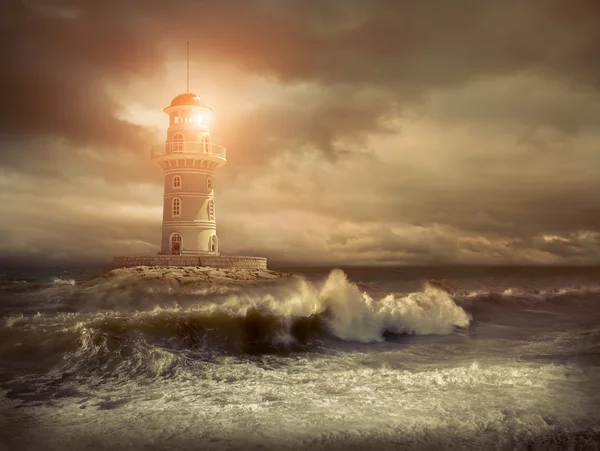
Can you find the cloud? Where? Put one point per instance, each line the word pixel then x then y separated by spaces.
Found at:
pixel 373 132
pixel 63 53
pixel 60 58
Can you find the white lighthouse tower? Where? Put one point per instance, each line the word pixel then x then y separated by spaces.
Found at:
pixel 188 159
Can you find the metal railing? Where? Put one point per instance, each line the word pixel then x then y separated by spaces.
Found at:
pixel 187 147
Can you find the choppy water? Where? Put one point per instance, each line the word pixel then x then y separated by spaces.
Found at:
pixel 418 358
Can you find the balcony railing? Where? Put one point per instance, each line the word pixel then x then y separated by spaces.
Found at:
pixel 188 148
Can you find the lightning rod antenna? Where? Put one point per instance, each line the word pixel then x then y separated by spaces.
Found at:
pixel 188 67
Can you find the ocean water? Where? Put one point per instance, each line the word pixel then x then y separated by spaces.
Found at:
pixel 359 358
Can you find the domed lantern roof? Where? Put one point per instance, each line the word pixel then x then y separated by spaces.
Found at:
pixel 188 99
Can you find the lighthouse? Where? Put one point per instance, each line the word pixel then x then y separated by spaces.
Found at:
pixel 188 159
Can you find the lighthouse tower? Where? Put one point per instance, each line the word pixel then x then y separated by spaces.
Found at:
pixel 188 159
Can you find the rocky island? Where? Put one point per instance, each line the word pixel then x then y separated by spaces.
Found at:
pixel 189 276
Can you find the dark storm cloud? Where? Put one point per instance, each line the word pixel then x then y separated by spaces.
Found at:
pixel 317 120
pixel 58 58
pixel 62 53
pixel 401 50
pixel 411 44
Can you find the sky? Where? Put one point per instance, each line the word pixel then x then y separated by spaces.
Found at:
pixel 358 132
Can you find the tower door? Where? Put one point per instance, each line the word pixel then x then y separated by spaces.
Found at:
pixel 176 244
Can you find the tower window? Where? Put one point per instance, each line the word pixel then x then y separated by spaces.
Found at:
pixel 209 184
pixel 211 210
pixel 177 182
pixel 176 206
pixel 206 144
pixel 177 143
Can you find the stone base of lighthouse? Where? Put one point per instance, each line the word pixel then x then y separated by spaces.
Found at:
pixel 215 261
pixel 193 253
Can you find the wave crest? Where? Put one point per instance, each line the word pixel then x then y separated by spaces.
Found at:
pixel 356 316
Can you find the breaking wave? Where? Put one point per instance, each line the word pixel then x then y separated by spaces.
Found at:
pixel 152 328
pixel 295 316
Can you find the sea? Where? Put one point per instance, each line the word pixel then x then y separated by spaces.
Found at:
pixel 375 358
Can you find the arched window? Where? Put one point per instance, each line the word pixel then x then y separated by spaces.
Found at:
pixel 206 143
pixel 211 210
pixel 213 245
pixel 176 207
pixel 176 244
pixel 177 182
pixel 209 184
pixel 177 143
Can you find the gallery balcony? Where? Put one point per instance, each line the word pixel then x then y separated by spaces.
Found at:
pixel 186 149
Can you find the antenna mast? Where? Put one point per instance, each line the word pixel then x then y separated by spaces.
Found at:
pixel 188 67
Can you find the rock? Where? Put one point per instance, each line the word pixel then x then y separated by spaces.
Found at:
pixel 189 276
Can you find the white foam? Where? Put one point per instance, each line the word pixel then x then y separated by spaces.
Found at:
pixel 356 316
pixel 59 281
pixel 12 320
pixel 333 401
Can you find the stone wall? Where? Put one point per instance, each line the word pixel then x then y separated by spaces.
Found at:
pixel 191 260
